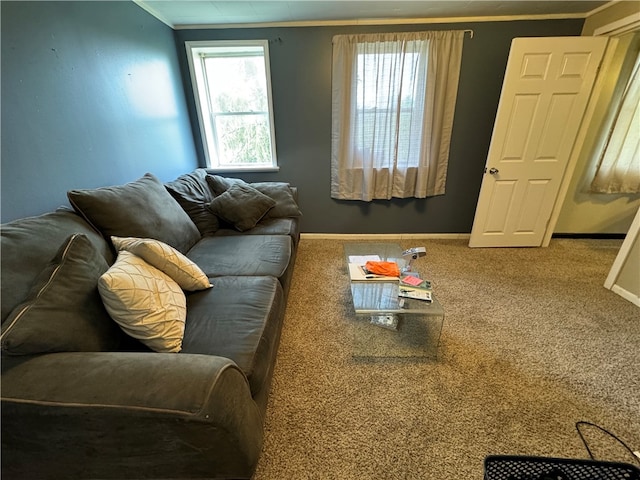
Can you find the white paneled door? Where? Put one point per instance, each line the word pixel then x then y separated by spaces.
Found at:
pixel 547 86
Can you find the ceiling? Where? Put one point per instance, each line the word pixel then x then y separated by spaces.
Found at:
pixel 200 13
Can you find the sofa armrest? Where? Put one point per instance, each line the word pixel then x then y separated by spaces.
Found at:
pixel 121 414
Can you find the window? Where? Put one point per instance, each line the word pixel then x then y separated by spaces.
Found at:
pixel 232 88
pixel 392 113
pixel 386 89
pixel 619 167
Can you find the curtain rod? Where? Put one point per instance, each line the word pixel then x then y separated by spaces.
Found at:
pixel 470 32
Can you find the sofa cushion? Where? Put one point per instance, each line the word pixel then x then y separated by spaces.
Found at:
pixel 166 259
pixel 241 205
pixel 239 319
pixel 193 194
pixel 142 208
pixel 63 312
pixel 269 226
pixel 28 245
pixel 280 192
pixel 145 302
pixel 242 255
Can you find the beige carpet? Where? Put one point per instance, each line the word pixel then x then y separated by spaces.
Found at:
pixel 532 343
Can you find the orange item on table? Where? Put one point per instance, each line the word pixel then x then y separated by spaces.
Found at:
pixel 388 269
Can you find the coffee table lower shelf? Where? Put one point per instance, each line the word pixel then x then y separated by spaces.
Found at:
pixel 396 335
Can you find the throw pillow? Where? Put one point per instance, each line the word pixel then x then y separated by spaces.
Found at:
pixel 63 312
pixel 142 208
pixel 241 205
pixel 146 303
pixel 192 192
pixel 166 259
pixel 280 192
pixel 219 185
pixel 286 206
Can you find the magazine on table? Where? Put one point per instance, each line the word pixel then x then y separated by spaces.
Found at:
pixel 416 288
pixel 415 293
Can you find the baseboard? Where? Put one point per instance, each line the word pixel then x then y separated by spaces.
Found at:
pixel 385 236
pixel 442 236
pixel 595 236
pixel 632 297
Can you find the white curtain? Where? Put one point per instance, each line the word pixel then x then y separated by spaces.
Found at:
pixel 619 168
pixel 393 99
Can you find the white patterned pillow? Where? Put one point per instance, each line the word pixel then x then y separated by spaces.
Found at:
pixel 167 259
pixel 145 302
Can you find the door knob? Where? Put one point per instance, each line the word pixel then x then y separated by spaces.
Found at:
pixel 493 170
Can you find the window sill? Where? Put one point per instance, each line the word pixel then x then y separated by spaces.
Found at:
pixel 242 169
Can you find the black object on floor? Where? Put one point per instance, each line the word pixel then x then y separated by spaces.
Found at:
pixel 504 467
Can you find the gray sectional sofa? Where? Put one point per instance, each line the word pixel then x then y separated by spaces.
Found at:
pixel 83 399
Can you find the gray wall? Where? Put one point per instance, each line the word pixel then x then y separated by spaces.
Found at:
pixel 91 96
pixel 301 79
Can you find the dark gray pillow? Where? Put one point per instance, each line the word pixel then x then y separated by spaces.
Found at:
pixel 286 205
pixel 64 311
pixel 280 192
pixel 193 194
pixel 142 209
pixel 241 205
pixel 219 185
pixel 27 245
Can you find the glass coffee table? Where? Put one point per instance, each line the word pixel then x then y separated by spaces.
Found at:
pixel 386 325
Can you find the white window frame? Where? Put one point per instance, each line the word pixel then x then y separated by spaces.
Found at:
pixel 195 50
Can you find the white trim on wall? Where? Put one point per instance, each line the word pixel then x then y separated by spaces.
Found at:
pixel 386 21
pixel 621 262
pixel 602 7
pixel 385 236
pixel 152 11
pixel 627 295
pixel 619 27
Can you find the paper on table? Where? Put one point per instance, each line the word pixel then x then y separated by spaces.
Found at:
pixel 411 280
pixel 363 259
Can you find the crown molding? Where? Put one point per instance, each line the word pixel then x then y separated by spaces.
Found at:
pixel 620 27
pixel 384 21
pixel 602 7
pixel 152 11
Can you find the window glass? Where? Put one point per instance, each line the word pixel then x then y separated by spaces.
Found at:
pixel 233 95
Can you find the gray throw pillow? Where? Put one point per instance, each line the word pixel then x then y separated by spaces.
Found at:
pixel 63 312
pixel 280 192
pixel 142 209
pixel 193 194
pixel 219 185
pixel 286 206
pixel 242 206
